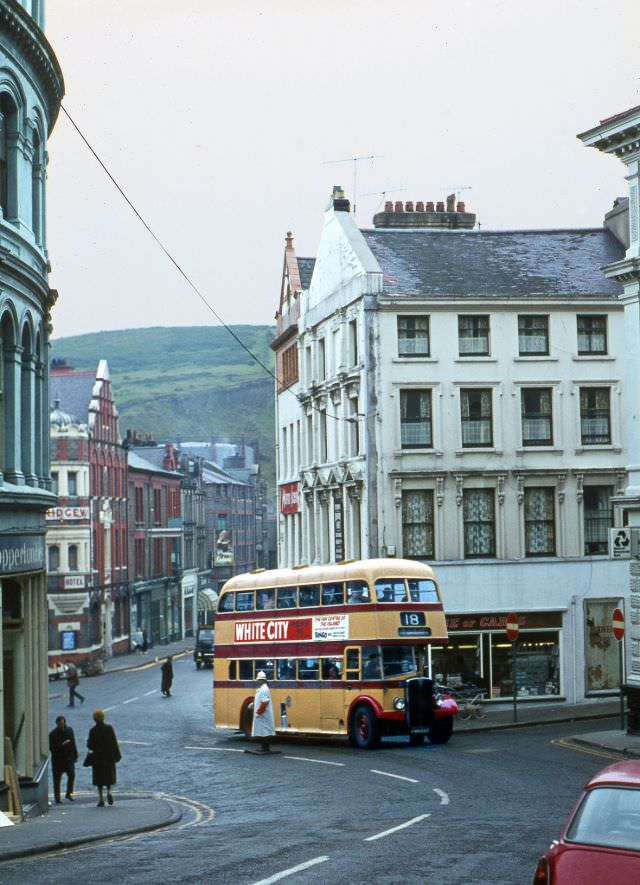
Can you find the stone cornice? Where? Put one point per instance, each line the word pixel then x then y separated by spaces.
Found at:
pixel 18 25
pixel 623 271
pixel 619 135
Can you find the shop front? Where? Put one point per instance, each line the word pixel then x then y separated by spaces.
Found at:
pixel 479 655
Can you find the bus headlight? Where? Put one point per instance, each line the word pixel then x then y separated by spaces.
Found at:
pixel 399 703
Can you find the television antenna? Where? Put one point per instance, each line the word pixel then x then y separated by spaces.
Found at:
pixel 456 189
pixel 355 161
pixel 383 194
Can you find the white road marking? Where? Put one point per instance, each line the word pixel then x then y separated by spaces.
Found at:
pixel 219 749
pixel 292 870
pixel 131 700
pixel 317 761
pixel 106 709
pixel 444 797
pixel 409 823
pixel 153 691
pixel 485 750
pixel 400 777
pixel 139 743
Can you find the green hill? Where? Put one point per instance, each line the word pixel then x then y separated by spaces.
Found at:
pixel 186 383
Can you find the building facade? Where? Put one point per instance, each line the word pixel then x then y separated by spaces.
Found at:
pixel 459 399
pixel 31 89
pixel 89 593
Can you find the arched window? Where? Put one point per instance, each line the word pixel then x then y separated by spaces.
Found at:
pixel 37 175
pixel 8 156
pixel 54 558
pixel 73 557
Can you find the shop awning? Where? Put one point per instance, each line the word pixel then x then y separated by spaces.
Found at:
pixel 207 600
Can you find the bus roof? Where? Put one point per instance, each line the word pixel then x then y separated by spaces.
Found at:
pixel 363 569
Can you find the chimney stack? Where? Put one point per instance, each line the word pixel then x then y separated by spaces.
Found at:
pixel 339 201
pixel 432 216
pixel 451 203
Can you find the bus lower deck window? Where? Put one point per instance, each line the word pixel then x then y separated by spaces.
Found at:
pixel 245 669
pixel 308 668
pixel 267 666
pixel 286 669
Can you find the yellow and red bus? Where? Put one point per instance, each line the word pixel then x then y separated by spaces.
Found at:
pixel 345 647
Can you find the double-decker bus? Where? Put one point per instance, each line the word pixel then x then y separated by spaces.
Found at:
pixel 345 647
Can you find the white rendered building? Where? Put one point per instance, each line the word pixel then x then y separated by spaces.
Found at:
pixel 458 398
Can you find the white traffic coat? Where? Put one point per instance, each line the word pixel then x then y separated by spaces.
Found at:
pixel 263 725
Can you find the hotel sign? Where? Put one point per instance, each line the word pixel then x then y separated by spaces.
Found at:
pixel 21 553
pixel 289 498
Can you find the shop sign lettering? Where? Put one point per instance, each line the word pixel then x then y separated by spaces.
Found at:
pixel 21 553
pixel 67 513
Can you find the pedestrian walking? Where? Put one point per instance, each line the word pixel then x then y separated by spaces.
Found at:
pixel 73 681
pixel 263 726
pixel 64 755
pixel 103 755
pixel 167 677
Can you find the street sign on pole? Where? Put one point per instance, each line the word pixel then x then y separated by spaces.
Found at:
pixel 512 627
pixel 617 622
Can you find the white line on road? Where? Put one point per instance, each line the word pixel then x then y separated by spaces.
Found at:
pixel 292 870
pixel 444 797
pixel 219 749
pixel 153 691
pixel 317 761
pixel 131 700
pixel 409 823
pixel 106 709
pixel 400 777
pixel 139 743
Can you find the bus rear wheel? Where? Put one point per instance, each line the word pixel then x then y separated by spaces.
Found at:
pixel 246 723
pixel 364 728
pixel 440 730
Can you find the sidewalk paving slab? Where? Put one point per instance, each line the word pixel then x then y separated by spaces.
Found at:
pixel 71 824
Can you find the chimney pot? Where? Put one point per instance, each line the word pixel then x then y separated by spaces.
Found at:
pixel 460 207
pixel 431 206
pixel 409 206
pixel 388 206
pixel 419 206
pixel 440 206
pixel 451 203
pixel 399 206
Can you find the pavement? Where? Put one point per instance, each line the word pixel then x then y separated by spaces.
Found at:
pixel 72 824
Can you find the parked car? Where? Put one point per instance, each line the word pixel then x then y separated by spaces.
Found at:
pixel 57 670
pixel 600 841
pixel 203 651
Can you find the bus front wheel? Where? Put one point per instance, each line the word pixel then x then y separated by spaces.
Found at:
pixel 247 720
pixel 440 730
pixel 364 728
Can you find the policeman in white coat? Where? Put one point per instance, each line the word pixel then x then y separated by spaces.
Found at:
pixel 263 722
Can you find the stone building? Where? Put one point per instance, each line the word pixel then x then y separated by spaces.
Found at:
pixel 458 398
pixel 31 89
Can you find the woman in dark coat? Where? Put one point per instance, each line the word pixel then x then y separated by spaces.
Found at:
pixel 167 677
pixel 103 743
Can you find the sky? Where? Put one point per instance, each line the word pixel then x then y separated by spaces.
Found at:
pixel 221 121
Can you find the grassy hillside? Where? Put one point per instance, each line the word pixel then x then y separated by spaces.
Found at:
pixel 187 383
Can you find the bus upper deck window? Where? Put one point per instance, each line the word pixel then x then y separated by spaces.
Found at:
pixel 357 592
pixel 265 599
pixel 422 590
pixel 333 594
pixel 287 597
pixel 310 596
pixel 226 603
pixel 391 590
pixel 244 602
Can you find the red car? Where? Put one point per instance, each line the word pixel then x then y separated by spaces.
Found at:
pixel 600 842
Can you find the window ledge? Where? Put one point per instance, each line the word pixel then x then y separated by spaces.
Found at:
pixel 596 447
pixel 478 450
pixel 535 357
pixel 470 358
pixel 418 451
pixel 593 357
pixel 527 450
pixel 414 358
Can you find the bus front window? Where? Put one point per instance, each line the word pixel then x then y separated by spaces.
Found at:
pixel 391 590
pixel 422 590
pixel 398 660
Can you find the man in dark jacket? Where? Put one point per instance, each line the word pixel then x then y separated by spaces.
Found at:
pixel 73 681
pixel 167 677
pixel 64 755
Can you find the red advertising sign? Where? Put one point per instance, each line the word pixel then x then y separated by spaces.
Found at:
pixel 617 622
pixel 513 627
pixel 289 498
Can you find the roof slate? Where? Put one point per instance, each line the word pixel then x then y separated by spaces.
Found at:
pixel 496 263
pixel 74 392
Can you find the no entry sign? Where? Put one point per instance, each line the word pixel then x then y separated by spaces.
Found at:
pixel 617 622
pixel 513 627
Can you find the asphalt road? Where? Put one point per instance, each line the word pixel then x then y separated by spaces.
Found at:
pixel 480 809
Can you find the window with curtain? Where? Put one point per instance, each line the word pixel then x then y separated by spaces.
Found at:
pixel 415 419
pixel 592 334
pixel 539 522
pixel 595 419
pixel 598 519
pixel 413 336
pixel 54 558
pixel 533 335
pixel 72 483
pixel 473 335
pixel 73 557
pixel 417 524
pixel 475 413
pixel 479 522
pixel 537 429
